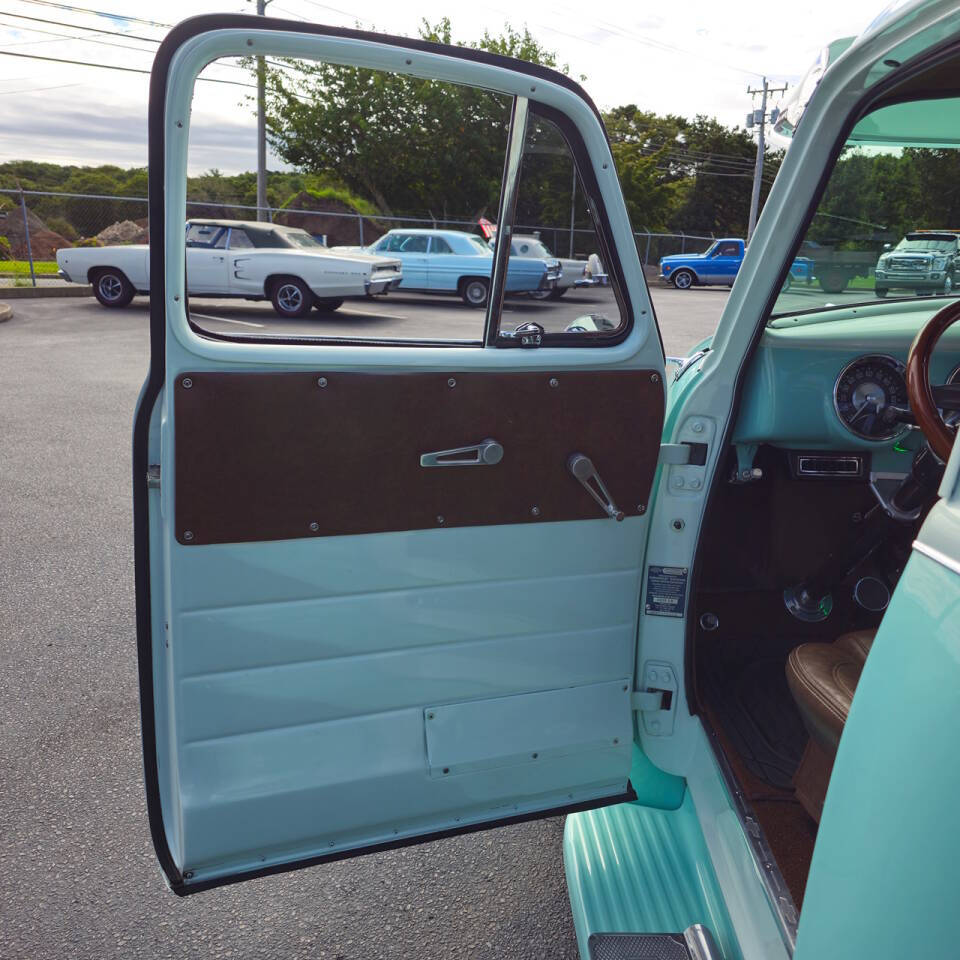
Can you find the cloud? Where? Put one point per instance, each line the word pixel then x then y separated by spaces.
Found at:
pixel 118 135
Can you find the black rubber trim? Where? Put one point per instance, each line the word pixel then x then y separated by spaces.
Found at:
pixel 153 385
pixel 871 99
pixel 587 179
pixel 185 889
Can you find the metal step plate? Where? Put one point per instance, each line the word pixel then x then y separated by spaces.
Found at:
pixel 695 943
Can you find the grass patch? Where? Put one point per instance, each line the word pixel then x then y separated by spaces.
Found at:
pixel 21 268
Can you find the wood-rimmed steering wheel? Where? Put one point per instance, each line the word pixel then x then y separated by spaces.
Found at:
pixel 926 401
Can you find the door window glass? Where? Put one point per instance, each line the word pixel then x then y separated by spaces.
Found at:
pixel 568 291
pixel 239 240
pixel 373 162
pixel 416 244
pixel 203 234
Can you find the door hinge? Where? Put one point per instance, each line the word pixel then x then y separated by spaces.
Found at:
pixel 153 476
pixel 686 453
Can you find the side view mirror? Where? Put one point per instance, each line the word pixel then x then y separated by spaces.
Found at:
pixel 888 246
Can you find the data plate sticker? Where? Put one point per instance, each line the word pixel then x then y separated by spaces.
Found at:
pixel 666 590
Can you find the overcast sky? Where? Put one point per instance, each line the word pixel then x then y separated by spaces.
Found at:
pixel 696 56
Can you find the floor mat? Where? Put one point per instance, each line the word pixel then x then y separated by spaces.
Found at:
pixel 788 828
pixel 753 706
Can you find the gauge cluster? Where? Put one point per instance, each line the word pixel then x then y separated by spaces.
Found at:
pixel 865 388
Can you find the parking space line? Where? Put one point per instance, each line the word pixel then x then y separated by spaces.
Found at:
pixel 205 316
pixel 366 313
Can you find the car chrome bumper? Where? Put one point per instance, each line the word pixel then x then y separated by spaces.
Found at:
pixel 887 279
pixel 381 285
pixel 63 275
pixel 600 280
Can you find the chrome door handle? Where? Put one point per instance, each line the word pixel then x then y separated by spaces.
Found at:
pixel 583 469
pixel 486 454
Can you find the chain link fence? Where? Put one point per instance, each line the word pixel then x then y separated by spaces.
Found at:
pixel 35 224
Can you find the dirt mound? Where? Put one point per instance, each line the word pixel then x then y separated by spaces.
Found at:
pixel 125 231
pixel 43 241
pixel 325 215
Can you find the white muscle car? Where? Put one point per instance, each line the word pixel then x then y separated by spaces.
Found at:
pixel 574 273
pixel 239 258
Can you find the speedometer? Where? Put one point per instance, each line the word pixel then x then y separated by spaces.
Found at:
pixel 864 389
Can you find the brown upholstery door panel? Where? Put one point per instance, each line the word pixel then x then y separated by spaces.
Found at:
pixel 271 456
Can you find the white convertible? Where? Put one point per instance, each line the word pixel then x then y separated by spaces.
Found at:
pixel 239 258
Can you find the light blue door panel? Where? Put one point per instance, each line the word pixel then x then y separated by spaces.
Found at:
pixel 293 681
pixel 349 643
pixel 447 269
pixel 315 789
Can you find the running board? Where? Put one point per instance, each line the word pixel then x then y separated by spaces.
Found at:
pixel 695 943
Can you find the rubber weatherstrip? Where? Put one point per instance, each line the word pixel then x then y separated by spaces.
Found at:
pixel 871 98
pixel 153 384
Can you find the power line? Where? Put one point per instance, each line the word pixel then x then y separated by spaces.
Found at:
pixel 59 86
pixel 113 66
pixel 60 37
pixel 97 13
pixel 76 26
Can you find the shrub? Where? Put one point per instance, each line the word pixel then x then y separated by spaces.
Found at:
pixel 88 242
pixel 5 250
pixel 63 227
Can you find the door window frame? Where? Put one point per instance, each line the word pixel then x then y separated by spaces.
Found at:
pixel 204 39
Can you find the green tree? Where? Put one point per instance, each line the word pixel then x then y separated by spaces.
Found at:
pixel 411 145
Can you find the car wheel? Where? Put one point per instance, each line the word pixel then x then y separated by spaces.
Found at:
pixel 947 286
pixel 881 291
pixel 112 288
pixel 291 298
pixel 683 279
pixel 327 304
pixel 557 292
pixel 542 294
pixel 833 281
pixel 474 291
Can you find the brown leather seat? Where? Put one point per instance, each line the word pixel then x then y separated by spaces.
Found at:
pixel 823 678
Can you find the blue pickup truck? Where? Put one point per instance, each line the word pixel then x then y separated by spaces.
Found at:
pixel 719 264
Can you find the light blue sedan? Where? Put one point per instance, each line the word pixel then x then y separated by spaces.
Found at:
pixel 452 261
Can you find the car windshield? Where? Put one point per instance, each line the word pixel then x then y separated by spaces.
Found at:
pixel 300 238
pixel 920 244
pixel 884 226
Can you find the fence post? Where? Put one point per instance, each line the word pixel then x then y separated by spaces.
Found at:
pixel 683 242
pixel 646 253
pixel 360 226
pixel 26 232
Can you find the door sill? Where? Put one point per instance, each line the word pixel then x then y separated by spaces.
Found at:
pixel 774 885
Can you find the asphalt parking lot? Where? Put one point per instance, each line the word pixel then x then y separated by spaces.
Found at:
pixel 77 872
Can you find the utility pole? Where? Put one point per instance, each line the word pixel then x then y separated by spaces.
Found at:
pixel 262 127
pixel 761 147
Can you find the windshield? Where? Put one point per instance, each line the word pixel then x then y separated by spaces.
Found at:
pixel 300 238
pixel 884 227
pixel 927 245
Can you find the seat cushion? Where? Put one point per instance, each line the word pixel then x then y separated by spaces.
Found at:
pixel 857 643
pixel 822 679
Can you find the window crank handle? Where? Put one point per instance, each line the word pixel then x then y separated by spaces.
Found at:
pixel 582 468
